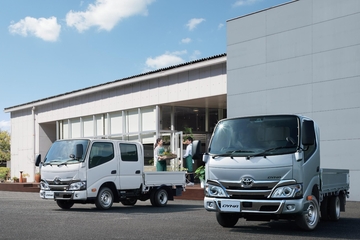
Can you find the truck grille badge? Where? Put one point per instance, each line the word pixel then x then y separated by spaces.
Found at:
pixel 247 182
pixel 57 180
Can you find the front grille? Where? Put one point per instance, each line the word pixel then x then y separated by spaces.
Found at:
pixel 258 190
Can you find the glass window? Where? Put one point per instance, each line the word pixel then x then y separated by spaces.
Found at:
pixel 128 152
pixel 101 152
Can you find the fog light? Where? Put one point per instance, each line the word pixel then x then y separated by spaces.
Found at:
pixel 211 204
pixel 290 207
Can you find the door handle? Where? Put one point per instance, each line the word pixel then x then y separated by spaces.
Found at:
pixel 113 172
pixel 137 172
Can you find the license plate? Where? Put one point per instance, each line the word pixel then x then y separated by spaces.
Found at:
pixel 49 195
pixel 230 206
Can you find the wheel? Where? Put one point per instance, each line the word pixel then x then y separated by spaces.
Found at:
pixel 64 204
pixel 334 208
pixel 104 199
pixel 324 209
pixel 309 219
pixel 227 219
pixel 159 198
pixel 129 201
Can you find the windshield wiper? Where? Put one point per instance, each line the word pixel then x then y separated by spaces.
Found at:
pixel 230 153
pixel 69 160
pixel 270 150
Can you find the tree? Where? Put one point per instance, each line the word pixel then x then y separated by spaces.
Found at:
pixel 4 146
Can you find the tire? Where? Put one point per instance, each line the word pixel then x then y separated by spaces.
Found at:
pixel 227 219
pixel 159 198
pixel 309 219
pixel 324 209
pixel 129 201
pixel 104 199
pixel 65 204
pixel 334 208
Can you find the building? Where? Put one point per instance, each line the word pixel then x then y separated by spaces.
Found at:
pixel 300 57
pixel 143 107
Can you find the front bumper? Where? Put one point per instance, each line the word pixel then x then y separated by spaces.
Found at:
pixel 289 206
pixel 63 195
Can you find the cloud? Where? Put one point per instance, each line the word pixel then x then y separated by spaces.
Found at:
pixel 192 24
pixel 105 14
pixel 165 60
pixel 5 125
pixel 195 55
pixel 220 26
pixel 186 40
pixel 241 3
pixel 45 28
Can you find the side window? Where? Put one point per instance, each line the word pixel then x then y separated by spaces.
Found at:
pixel 128 152
pixel 101 152
pixel 309 152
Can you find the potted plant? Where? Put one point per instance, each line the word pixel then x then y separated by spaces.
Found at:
pixel 37 177
pixel 15 179
pixel 24 177
pixel 200 174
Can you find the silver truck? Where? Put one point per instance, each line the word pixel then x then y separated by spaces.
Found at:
pixel 266 168
pixel 103 171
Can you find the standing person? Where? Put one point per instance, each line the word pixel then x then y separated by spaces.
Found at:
pixel 188 159
pixel 159 160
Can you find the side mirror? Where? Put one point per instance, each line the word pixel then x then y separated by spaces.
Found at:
pixel 38 160
pixel 308 133
pixel 79 151
pixel 206 157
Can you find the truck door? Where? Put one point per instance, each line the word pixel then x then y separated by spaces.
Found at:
pixel 102 165
pixel 131 166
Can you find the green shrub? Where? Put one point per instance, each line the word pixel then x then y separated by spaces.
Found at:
pixel 4 172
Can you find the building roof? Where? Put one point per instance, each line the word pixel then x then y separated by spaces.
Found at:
pixel 20 106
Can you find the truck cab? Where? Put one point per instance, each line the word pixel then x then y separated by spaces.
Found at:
pixel 263 168
pixel 103 171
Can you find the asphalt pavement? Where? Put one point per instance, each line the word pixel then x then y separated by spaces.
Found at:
pixel 24 215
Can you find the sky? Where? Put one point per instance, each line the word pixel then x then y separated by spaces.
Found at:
pixel 51 47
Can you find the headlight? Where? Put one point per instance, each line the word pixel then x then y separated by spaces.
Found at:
pixel 290 191
pixel 44 186
pixel 77 186
pixel 215 191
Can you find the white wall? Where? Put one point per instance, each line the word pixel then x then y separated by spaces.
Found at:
pixel 302 57
pixel 194 81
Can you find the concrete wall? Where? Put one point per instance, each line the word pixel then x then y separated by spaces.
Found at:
pixel 33 125
pixel 302 57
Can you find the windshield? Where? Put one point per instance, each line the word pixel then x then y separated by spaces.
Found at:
pixel 254 136
pixel 64 152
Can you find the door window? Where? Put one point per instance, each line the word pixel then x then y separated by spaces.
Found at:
pixel 128 152
pixel 101 152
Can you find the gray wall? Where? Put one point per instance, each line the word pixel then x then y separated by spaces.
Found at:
pixel 302 57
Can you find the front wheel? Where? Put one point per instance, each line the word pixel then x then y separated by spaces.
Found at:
pixel 104 199
pixel 159 198
pixel 64 204
pixel 309 219
pixel 227 219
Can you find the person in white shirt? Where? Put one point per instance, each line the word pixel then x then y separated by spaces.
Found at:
pixel 188 160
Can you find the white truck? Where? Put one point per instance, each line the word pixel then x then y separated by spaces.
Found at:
pixel 268 168
pixel 101 172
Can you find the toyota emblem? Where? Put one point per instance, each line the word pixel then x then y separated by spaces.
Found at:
pixel 57 180
pixel 247 182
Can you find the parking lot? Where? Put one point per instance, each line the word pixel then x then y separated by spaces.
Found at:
pixel 26 216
